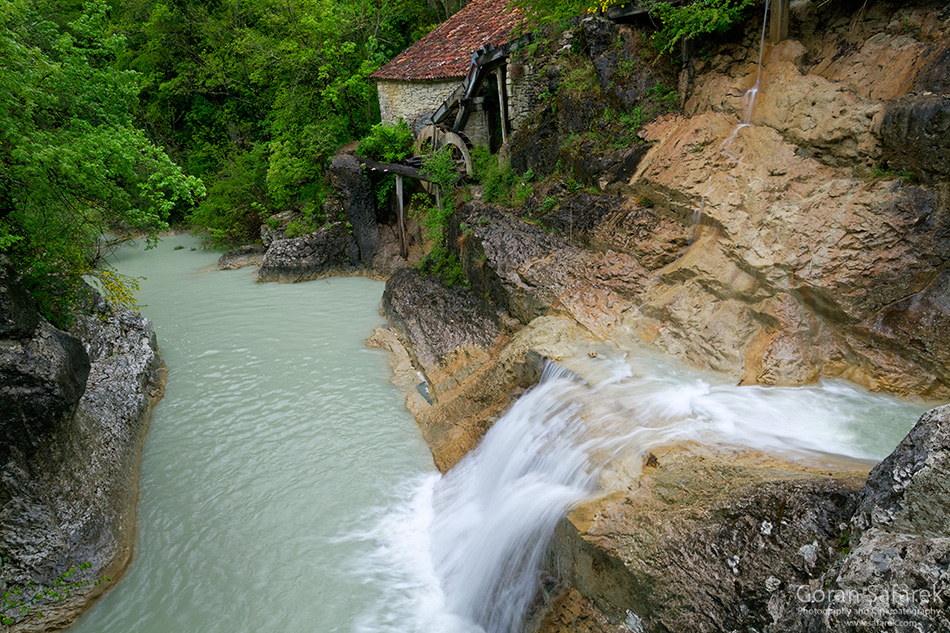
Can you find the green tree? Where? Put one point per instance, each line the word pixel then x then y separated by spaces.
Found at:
pixel 236 88
pixel 74 168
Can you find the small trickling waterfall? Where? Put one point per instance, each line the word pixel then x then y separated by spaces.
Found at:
pixel 754 90
pixel 749 98
pixel 461 553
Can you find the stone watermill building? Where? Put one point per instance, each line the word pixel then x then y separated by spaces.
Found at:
pixel 464 61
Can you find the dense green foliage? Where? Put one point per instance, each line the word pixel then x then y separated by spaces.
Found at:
pixel 387 143
pixel 74 167
pixel 440 167
pixel 112 116
pixel 701 17
pixel 677 22
pixel 255 96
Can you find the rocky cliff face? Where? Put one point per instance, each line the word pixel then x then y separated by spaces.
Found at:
pixel 810 243
pixel 74 408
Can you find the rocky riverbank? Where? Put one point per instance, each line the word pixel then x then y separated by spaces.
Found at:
pixel 75 407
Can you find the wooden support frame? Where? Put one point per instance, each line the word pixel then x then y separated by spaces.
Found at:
pixel 779 13
pixel 403 246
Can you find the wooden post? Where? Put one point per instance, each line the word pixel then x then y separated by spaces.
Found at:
pixel 778 17
pixel 501 76
pixel 403 249
pixel 687 46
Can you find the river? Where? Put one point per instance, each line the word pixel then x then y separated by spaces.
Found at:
pixel 278 433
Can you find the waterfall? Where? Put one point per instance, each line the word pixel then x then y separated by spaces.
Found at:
pixel 750 95
pixel 462 552
pixel 496 510
pixel 754 90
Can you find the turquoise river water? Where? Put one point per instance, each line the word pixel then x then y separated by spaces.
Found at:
pixel 279 432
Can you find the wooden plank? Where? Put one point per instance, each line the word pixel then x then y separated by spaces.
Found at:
pixel 779 13
pixel 502 52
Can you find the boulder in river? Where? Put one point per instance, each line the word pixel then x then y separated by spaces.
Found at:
pixel 242 257
pixel 327 251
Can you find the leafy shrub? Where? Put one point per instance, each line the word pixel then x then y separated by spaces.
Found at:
pixel 497 179
pixel 387 143
pixel 444 264
pixel 689 21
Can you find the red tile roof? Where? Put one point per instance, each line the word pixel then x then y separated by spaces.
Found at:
pixel 446 52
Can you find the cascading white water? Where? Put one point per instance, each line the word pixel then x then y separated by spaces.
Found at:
pixel 461 553
pixel 495 512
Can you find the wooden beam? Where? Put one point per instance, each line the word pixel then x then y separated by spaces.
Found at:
pixel 393 168
pixel 501 77
pixel 403 247
pixel 619 12
pixel 779 13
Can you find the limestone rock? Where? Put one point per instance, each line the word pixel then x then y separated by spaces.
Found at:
pixel 269 235
pixel 608 171
pixel 531 273
pixel 895 577
pixel 42 380
pixel 327 251
pixel 705 538
pixel 436 320
pixel 474 385
pixel 916 135
pixel 71 500
pixel 534 145
pixel 936 78
pixel 653 240
pixel 909 492
pixel 799 264
pixel 18 315
pixel 242 257
pixel 43 372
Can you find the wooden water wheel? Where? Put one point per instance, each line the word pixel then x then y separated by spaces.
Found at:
pixel 435 137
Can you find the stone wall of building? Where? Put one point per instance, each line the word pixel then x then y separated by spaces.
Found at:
pixel 409 100
pixel 415 100
pixel 525 83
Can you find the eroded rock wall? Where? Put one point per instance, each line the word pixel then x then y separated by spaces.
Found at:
pixel 811 242
pixel 70 469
